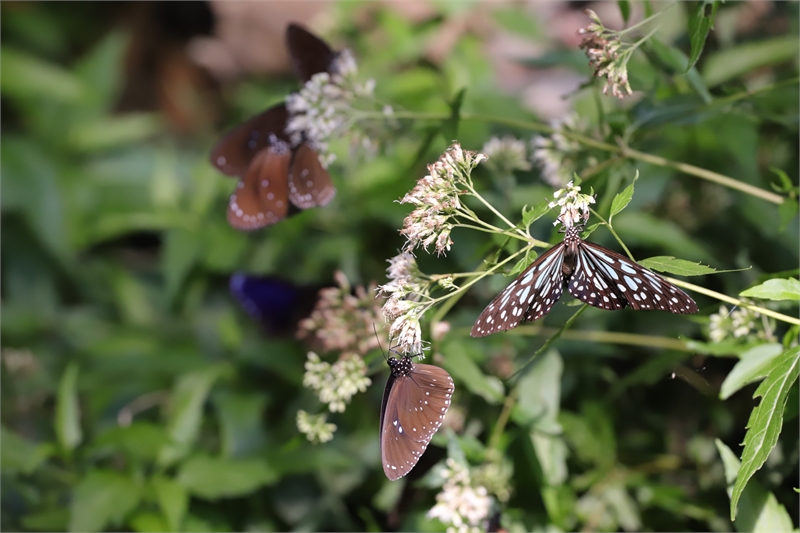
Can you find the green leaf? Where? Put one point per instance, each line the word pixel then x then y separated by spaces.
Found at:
pixel 759 510
pixel 181 250
pixel 787 211
pixel 734 61
pixel 450 124
pixel 466 371
pixel 212 478
pixel 679 267
pixel 25 76
pixel 589 230
pixel 186 411
pixel 240 419
pixel 172 499
pixel 766 420
pixel 101 70
pixel 676 62
pixel 141 440
pixel 622 199
pixel 67 414
pixel 775 289
pixel 750 367
pixel 19 455
pixel 102 498
pixel 148 521
pixel 104 133
pixel 624 9
pixel 529 216
pixel 523 263
pixel 700 22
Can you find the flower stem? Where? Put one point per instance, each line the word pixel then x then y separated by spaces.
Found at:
pixel 502 420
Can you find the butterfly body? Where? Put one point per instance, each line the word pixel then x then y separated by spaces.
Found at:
pixel 415 401
pixel 595 275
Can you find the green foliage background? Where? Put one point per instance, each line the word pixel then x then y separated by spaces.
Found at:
pixel 116 256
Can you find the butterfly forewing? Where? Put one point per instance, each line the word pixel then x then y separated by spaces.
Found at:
pixel 639 287
pixel 261 198
pixel 590 283
pixel 309 183
pixel 309 54
pixel 527 298
pixel 234 152
pixel 414 407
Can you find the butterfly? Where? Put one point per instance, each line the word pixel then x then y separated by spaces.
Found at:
pixel 276 179
pixel 593 274
pixel 415 401
pixel 277 305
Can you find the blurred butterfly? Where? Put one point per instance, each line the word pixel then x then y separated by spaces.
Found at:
pixel 276 179
pixel 415 401
pixel 593 274
pixel 276 304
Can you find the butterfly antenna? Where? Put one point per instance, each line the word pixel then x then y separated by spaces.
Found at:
pixel 375 330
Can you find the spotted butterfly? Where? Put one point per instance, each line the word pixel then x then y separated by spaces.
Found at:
pixel 593 274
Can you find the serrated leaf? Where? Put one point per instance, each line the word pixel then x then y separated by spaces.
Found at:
pixel 533 214
pixel 67 415
pixel 700 22
pixel 622 199
pixel 679 267
pixel 523 263
pixel 766 420
pixel 775 289
pixel 589 230
pixel 101 498
pixel 759 510
pixel 750 367
pixel 212 478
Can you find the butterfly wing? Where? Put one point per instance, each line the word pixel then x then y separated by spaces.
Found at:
pixel 529 297
pixel 602 273
pixel 414 408
pixel 310 184
pixel 234 152
pixel 309 54
pixel 278 305
pixel 261 198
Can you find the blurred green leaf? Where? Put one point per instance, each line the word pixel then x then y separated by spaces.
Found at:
pixel 148 521
pixel 182 249
pixel 172 499
pixel 624 9
pixel 101 71
pixel 751 366
pixel 450 124
pixel 52 519
pixel 19 455
pixel 26 77
pixel 67 415
pixel 102 498
pixel 700 22
pixel 646 229
pixel 731 62
pixel 186 410
pixel 213 478
pixel 775 289
pixel 759 510
pixel 677 63
pixel 787 211
pixel 109 132
pixel 240 417
pixel 680 267
pixel 766 420
pixel 466 371
pixel 517 19
pixel 141 440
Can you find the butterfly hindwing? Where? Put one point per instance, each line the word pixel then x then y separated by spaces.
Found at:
pixel 640 288
pixel 234 152
pixel 310 184
pixel 261 198
pixel 527 298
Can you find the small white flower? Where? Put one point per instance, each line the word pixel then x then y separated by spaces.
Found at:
pixel 459 505
pixel 336 384
pixel 574 206
pixel 506 155
pixel 556 155
pixel 405 332
pixel 315 427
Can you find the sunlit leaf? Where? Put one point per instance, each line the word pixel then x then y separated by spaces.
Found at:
pixel 680 267
pixel 102 498
pixel 213 478
pixel 67 417
pixel 751 366
pixel 775 289
pixel 622 199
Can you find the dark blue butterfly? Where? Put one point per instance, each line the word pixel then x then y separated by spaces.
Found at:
pixel 278 305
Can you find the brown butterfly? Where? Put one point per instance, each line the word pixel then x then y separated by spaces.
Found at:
pixel 276 180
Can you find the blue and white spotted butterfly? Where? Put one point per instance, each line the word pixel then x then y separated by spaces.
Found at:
pixel 593 274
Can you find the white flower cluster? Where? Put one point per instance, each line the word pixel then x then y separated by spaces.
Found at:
pixel 555 154
pixel 506 155
pixel 323 107
pixel 402 307
pixel 738 323
pixel 315 427
pixel 574 206
pixel 436 199
pixel 462 507
pixel 603 50
pixel 336 384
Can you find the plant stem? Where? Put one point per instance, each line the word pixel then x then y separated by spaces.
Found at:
pixel 609 337
pixel 502 420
